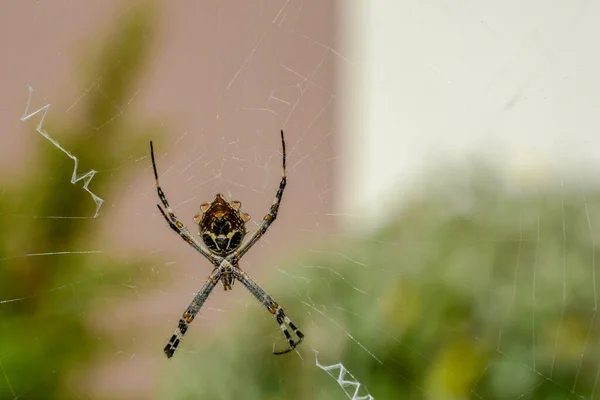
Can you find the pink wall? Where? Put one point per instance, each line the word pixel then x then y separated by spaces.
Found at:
pixel 223 79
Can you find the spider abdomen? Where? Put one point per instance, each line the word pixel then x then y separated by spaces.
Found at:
pixel 221 225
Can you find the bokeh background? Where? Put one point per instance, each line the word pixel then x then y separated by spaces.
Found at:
pixel 437 239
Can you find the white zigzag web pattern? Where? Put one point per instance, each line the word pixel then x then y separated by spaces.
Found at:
pixel 351 387
pixel 87 177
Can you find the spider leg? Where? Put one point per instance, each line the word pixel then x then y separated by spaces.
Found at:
pixel 174 222
pixel 274 308
pixel 191 311
pixel 271 215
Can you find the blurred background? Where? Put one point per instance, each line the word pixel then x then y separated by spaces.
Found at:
pixel 436 239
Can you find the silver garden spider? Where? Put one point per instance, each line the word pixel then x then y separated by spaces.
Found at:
pixel 222 228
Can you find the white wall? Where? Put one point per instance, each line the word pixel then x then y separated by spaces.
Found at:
pixel 517 82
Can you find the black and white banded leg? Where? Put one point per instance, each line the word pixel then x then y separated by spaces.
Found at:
pixel 270 217
pixel 174 222
pixel 274 308
pixel 191 311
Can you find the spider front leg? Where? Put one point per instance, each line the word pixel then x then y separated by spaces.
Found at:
pixel 274 308
pixel 190 312
pixel 174 222
pixel 271 215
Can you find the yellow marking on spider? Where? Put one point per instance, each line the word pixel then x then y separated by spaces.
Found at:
pixel 197 218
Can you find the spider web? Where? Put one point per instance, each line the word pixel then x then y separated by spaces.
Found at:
pixel 408 281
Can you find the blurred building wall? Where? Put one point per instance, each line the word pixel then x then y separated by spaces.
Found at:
pixel 511 82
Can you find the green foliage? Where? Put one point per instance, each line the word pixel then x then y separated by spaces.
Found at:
pixel 44 336
pixel 461 297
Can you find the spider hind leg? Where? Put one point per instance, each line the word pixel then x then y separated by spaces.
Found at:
pixel 272 306
pixel 182 328
pixel 282 320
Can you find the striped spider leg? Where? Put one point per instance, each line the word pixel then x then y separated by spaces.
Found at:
pixel 273 308
pixel 191 311
pixel 270 216
pixel 175 223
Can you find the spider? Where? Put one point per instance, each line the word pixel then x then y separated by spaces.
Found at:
pixel 222 228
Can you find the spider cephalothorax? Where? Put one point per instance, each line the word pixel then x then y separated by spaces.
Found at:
pixel 222 228
pixel 221 225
